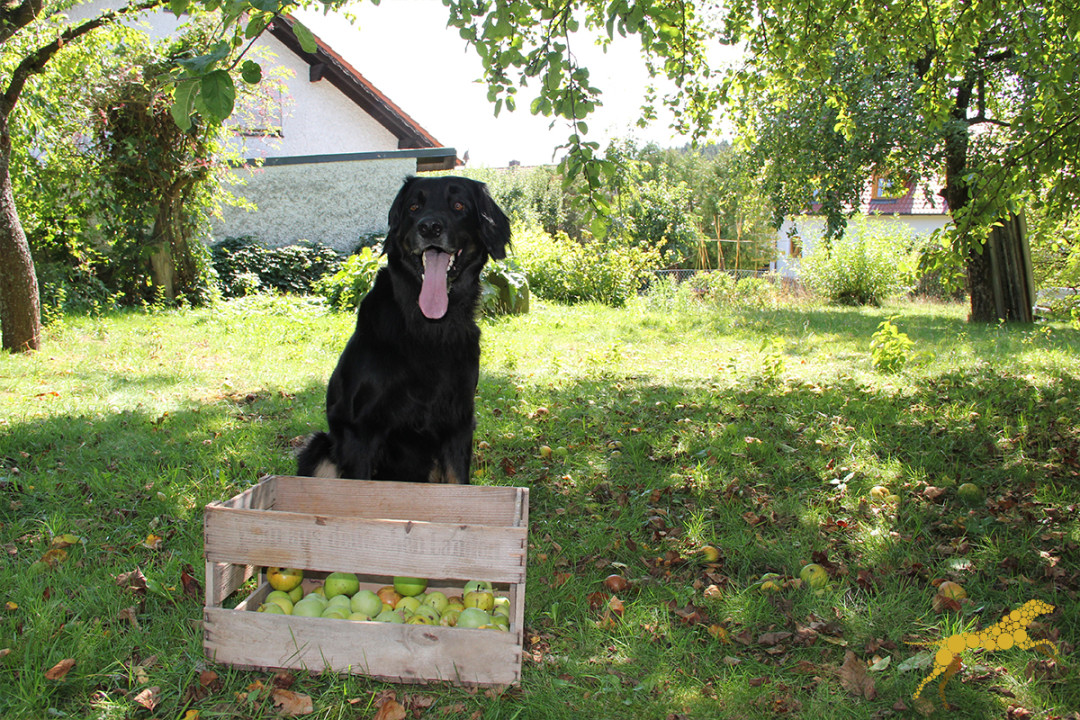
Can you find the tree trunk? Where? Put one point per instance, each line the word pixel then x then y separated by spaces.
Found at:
pixel 1000 278
pixel 20 305
pixel 172 267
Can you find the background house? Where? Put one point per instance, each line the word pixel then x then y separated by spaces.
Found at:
pixel 324 156
pixel 883 201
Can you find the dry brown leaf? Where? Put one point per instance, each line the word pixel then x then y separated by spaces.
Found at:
pixel 391 710
pixel 148 698
pixel 854 677
pixel 134 581
pixel 128 614
pixel 773 638
pixel 192 587
pixel 60 669
pixel 292 703
pixel 209 680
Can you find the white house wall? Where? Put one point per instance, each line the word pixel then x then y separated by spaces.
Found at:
pixel 810 228
pixel 334 203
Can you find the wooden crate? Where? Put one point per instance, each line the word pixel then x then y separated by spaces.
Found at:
pixel 447 533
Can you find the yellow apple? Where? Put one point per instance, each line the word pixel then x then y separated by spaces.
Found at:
pixel 284 578
pixel 814 575
pixel 480 599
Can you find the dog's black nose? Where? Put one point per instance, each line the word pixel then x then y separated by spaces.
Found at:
pixel 430 229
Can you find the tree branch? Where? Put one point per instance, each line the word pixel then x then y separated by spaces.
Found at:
pixel 15 17
pixel 35 61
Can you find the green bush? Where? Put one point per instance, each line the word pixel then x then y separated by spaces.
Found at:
pixel 345 288
pixel 867 264
pixel 561 269
pixel 245 267
pixel 504 289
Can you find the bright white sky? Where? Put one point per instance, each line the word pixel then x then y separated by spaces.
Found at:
pixel 405 49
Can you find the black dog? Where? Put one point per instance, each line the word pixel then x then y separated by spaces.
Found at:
pixel 400 402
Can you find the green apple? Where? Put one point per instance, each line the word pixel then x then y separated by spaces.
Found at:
pixel 478 585
pixel 281 598
pixel 334 613
pixel 320 591
pixel 407 605
pixel 389 616
pixel 409 586
pixel 359 616
pixel 341 602
pixel 502 606
pixel 814 575
pixel 455 603
pixel 308 608
pixel 770 583
pixel 436 600
pixel 429 612
pixel 500 621
pixel 367 602
pixel 480 599
pixel 316 597
pixel 449 618
pixel 472 618
pixel 284 578
pixel 341 583
pixel 420 620
pixel 970 493
pixel 272 609
pixel 296 594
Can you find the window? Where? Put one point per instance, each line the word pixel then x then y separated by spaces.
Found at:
pixel 886 187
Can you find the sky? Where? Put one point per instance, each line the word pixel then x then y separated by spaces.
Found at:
pixel 404 48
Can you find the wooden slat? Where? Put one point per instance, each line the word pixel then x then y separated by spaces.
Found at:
pixel 401 653
pixel 223 579
pixel 377 547
pixel 262 496
pixel 473 504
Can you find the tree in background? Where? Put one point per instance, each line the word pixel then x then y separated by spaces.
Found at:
pixel 985 93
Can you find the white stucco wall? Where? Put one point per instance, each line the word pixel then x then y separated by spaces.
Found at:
pixel 810 228
pixel 333 203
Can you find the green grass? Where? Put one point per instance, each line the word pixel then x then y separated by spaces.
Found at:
pixel 759 431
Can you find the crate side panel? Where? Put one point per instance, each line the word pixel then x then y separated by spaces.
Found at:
pixel 262 496
pixel 408 653
pixel 377 547
pixel 472 504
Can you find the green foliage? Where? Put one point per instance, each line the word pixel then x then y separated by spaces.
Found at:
pixel 345 288
pixel 890 348
pixel 867 264
pixel 504 289
pixel 562 269
pixel 245 267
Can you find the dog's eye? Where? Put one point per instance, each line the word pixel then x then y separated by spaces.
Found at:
pixel 458 205
pixel 414 207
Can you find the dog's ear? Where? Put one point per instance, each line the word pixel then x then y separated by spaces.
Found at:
pixel 396 217
pixel 494 225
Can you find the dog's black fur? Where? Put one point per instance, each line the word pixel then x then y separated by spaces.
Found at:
pixel 400 402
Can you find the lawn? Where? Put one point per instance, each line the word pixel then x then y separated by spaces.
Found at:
pixel 759 431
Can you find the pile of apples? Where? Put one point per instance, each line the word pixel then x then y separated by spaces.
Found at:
pixel 406 601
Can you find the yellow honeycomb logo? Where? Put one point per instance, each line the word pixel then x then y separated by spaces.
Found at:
pixel 1010 631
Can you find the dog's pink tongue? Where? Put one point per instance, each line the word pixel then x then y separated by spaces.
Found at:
pixel 433 296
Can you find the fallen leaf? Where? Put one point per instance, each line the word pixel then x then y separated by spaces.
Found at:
pixel 192 587
pixel 153 541
pixel 129 615
pixel 65 540
pixel 53 557
pixel 293 703
pixel 773 638
pixel 60 669
pixel 191 715
pixel 133 581
pixel 854 678
pixel 391 710
pixel 148 698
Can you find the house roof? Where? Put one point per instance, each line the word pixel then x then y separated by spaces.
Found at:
pixel 913 202
pixel 326 64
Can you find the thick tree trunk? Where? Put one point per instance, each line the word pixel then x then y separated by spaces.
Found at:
pixel 1000 277
pixel 20 305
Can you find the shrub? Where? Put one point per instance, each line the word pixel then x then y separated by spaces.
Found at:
pixel 245 267
pixel 345 288
pixel 890 349
pixel 504 289
pixel 866 265
pixel 564 270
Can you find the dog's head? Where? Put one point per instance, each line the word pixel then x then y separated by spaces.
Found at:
pixel 442 231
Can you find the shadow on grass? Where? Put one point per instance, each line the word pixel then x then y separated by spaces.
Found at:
pixel 772 474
